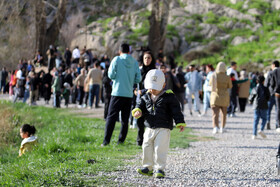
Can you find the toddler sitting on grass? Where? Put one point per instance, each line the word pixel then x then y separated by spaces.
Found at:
pixel 29 140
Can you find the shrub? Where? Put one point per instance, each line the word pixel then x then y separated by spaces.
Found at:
pixel 171 31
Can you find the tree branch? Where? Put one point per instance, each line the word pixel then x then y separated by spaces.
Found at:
pixel 49 4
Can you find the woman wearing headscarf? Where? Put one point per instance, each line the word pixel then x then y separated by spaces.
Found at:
pixel 244 89
pixel 148 64
pixel 219 98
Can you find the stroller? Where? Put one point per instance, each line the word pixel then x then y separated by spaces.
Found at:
pixel 278 160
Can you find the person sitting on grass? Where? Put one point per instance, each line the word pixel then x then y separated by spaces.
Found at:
pixel 29 140
pixel 159 107
pixel 259 97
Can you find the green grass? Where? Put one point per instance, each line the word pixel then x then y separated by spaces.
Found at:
pixel 214 19
pixel 237 6
pixel 66 142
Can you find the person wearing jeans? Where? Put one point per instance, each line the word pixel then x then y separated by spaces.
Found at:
pixel 94 93
pixel 259 113
pixel 275 85
pixel 259 97
pixel 207 88
pixel 94 78
pixel 272 101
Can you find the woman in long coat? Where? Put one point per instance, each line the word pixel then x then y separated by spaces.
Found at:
pixel 219 99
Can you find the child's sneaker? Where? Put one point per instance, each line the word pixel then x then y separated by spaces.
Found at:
pixel 262 134
pixel 145 171
pixel 159 174
pixel 253 137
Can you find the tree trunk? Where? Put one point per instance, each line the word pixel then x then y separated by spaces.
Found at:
pixel 40 26
pixel 158 23
pixel 48 36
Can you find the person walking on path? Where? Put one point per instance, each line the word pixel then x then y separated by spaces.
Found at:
pixel 107 89
pixel 232 69
pixel 275 84
pixel 231 72
pixel 47 83
pixel 124 72
pixel 158 107
pixel 259 97
pixel 94 78
pixel 79 82
pixel 244 89
pixel 148 64
pixel 180 92
pixel 272 101
pixel 234 95
pixel 76 57
pixel 194 87
pixel 207 89
pixel 219 98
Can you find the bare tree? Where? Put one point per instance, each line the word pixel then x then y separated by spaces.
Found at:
pixel 46 36
pixel 16 32
pixel 158 23
pixel 24 28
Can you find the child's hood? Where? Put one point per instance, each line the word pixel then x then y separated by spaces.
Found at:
pixel 29 139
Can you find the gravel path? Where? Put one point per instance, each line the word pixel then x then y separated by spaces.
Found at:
pixel 231 159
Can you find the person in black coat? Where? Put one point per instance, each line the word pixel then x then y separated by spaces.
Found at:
pixel 107 89
pixel 275 85
pixel 67 57
pixel 47 82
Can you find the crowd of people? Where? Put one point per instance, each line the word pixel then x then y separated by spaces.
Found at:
pixel 81 78
pixel 124 84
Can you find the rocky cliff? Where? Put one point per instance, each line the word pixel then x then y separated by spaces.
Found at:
pixel 196 28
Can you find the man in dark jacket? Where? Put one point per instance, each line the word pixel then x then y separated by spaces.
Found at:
pixel 271 102
pixel 275 84
pixel 107 89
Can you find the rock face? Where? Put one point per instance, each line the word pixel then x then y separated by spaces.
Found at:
pixel 239 40
pixel 187 18
pixel 275 5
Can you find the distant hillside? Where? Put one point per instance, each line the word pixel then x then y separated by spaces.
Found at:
pixel 199 31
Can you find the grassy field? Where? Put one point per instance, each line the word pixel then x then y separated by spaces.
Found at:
pixel 66 143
